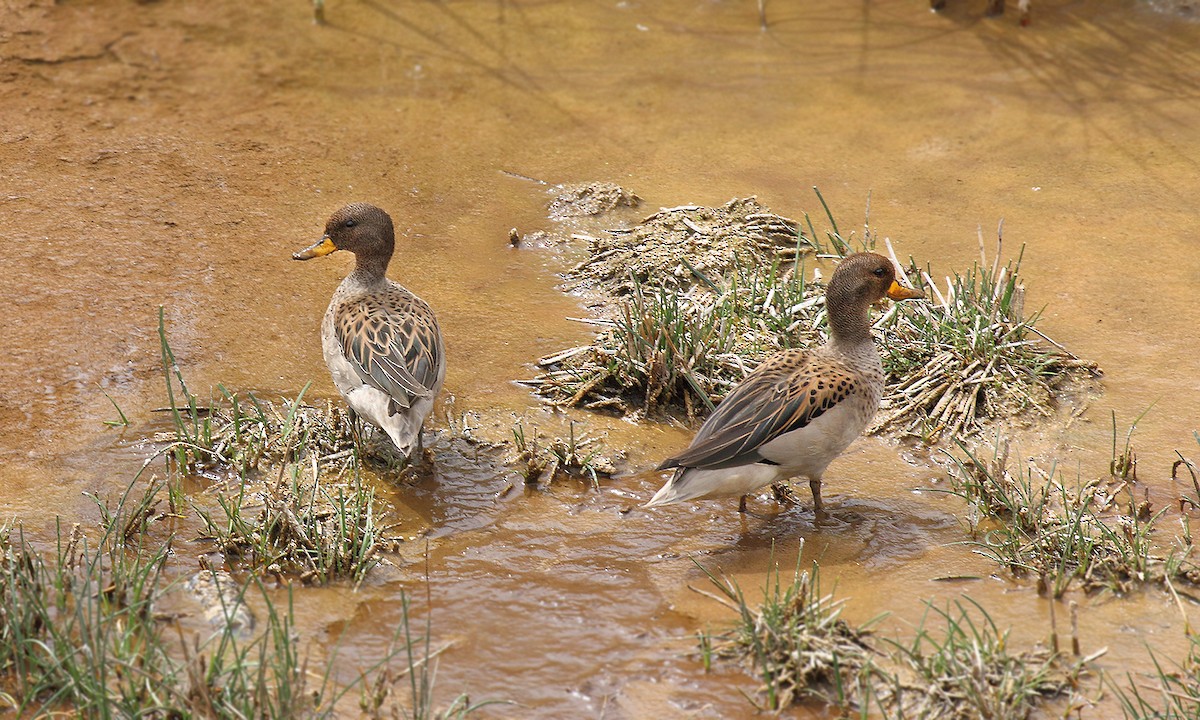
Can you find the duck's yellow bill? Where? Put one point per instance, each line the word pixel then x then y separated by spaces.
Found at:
pixel 899 292
pixel 322 247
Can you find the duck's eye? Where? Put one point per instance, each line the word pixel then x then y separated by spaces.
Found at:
pixel 350 223
pixel 879 272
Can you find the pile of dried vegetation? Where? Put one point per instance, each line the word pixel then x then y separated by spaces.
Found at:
pixel 693 298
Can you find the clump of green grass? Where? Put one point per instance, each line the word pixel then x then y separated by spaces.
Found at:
pixel 298 525
pixel 1098 533
pixel 80 630
pixel 238 435
pixel 689 317
pixel 309 520
pixel 969 355
pixel 578 455
pixel 668 349
pixel 795 640
pixel 1171 693
pixel 81 633
pixel 967 670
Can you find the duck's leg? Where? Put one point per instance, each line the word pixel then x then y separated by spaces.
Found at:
pixel 425 454
pixel 818 509
pixel 355 426
pixel 742 504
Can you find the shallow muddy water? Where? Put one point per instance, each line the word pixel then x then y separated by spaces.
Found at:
pixel 176 154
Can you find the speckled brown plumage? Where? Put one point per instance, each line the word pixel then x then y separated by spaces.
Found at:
pixel 798 410
pixel 381 342
pixel 392 339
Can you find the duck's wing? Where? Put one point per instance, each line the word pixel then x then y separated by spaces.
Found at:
pixel 787 392
pixel 393 341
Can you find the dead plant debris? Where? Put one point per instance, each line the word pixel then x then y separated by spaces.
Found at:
pixel 681 246
pixel 592 198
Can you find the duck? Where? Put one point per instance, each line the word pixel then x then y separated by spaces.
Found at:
pixel 381 342
pixel 800 408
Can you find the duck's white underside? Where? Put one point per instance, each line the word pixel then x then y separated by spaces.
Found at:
pixel 372 404
pixel 800 453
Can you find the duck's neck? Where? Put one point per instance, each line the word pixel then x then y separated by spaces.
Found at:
pixel 849 326
pixel 370 270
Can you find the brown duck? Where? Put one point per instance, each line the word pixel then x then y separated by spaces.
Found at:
pixel 801 408
pixel 381 342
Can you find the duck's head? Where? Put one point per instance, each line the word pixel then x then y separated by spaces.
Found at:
pixel 867 278
pixel 361 228
pixel 861 280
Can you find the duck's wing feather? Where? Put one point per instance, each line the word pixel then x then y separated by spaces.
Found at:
pixel 393 342
pixel 787 392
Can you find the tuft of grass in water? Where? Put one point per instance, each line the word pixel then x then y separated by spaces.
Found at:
pixel 81 634
pixel 1095 533
pixel 296 525
pixel 308 520
pixel 576 456
pixel 686 328
pixel 966 670
pixel 1172 692
pixel 969 354
pixel 240 434
pixel 795 641
pixel 797 644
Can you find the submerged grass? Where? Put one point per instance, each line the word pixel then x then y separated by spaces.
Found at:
pixel 1098 534
pixel 419 674
pixel 1172 692
pixel 796 642
pixel 81 634
pixel 966 669
pixel 693 306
